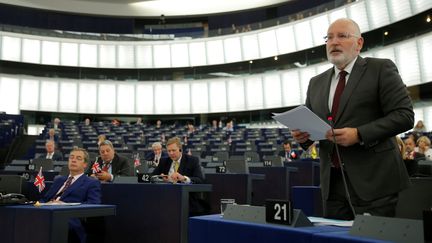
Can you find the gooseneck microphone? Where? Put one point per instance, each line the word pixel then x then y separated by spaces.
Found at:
pixel 348 196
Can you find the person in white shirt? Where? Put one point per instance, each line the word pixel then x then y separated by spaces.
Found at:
pixel 51 153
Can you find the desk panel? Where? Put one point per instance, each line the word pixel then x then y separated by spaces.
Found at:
pixel 276 184
pixel 26 223
pixel 236 186
pixel 149 212
pixel 215 229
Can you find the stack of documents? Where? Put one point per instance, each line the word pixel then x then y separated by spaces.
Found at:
pixel 303 119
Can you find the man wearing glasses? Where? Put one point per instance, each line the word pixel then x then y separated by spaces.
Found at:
pixel 367 103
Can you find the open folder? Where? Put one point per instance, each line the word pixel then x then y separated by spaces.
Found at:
pixel 305 120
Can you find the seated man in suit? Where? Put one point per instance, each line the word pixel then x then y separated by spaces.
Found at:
pixel 110 163
pixel 50 152
pixel 289 154
pixel 156 154
pixel 179 167
pixel 182 168
pixel 75 188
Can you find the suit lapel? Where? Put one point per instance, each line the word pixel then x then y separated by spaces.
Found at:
pixel 354 79
pixel 74 185
pixel 326 88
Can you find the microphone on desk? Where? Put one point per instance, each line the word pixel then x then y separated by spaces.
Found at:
pixel 348 196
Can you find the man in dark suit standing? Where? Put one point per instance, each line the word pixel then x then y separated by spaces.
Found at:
pixel 110 163
pixel 183 168
pixel 369 106
pixel 51 153
pixel 75 188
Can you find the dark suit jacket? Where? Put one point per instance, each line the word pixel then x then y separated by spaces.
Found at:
pixel 57 156
pixel 84 190
pixel 189 166
pixel 120 166
pixel 376 102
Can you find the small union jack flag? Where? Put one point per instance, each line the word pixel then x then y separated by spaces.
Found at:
pixel 40 181
pixel 137 161
pixel 96 167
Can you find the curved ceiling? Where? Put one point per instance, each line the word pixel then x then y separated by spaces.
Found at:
pixel 145 8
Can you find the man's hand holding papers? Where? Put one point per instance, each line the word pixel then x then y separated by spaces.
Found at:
pixel 304 124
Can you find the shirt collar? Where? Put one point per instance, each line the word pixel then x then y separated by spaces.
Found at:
pixel 347 69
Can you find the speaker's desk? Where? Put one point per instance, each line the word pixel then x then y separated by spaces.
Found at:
pixel 215 229
pixel 45 224
pixel 149 212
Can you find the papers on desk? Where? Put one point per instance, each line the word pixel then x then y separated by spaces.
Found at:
pixel 55 203
pixel 303 119
pixel 334 222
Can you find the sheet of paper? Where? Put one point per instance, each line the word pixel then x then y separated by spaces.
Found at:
pixel 334 222
pixel 56 203
pixel 305 120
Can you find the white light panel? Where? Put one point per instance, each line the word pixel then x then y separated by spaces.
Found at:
pixel 125 98
pixel 420 6
pixel 319 29
pixel 199 97
pixel 303 35
pixel 236 95
pixel 144 56
pixel 291 88
pixel 88 55
pixel 49 95
pixel 305 75
pixel 87 97
pixel 407 62
pixel 31 50
pixel 68 96
pixel 50 52
pixel 399 9
pixel 250 47
pixel 337 14
pixel 357 12
pixel 272 91
pixel 286 39
pixel 163 98
pixel 232 48
pixel 267 43
pixel 181 98
pixel 69 54
pixel 215 53
pixel 378 13
pixel 11 48
pixel 9 95
pixel 144 98
pixel 107 98
pixel 387 52
pixel 425 45
pixel 107 56
pixel 29 97
pixel 179 55
pixel 126 56
pixel 197 54
pixel 218 96
pixel 162 56
pixel 254 93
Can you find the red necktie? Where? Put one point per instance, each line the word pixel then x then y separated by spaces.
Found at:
pixel 105 167
pixel 67 184
pixel 335 107
pixel 338 93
